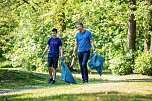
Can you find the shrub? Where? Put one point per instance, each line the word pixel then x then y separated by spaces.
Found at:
pixel 143 64
pixel 121 64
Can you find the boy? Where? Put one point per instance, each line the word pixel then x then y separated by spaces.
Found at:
pixel 54 45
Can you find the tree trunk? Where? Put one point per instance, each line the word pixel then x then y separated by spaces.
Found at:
pixel 147 42
pixel 131 27
pixel 62 21
pixel 151 45
pixel 61 15
pixel 150 23
pixel 148 35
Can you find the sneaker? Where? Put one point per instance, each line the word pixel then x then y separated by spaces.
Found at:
pixel 50 80
pixel 85 81
pixel 53 82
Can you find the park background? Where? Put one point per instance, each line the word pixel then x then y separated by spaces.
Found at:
pixel 121 29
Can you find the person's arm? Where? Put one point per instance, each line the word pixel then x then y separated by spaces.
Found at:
pixel 45 50
pixel 92 45
pixel 75 47
pixel 91 42
pixel 61 51
pixel 74 50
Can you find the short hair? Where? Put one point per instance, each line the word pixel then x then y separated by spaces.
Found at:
pixel 80 23
pixel 54 30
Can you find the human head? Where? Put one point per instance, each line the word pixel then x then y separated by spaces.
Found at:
pixel 54 32
pixel 80 26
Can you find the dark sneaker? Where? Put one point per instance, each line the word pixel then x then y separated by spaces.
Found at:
pixel 86 81
pixel 50 80
pixel 53 82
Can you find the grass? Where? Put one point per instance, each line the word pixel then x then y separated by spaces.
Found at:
pixel 32 86
pixel 12 78
pixel 110 96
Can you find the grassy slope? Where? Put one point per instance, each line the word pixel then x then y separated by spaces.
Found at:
pixel 111 88
pixel 17 78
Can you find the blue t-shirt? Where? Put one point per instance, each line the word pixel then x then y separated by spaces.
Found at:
pixel 83 40
pixel 54 44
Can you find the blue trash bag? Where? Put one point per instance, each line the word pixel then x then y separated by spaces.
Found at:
pixel 66 74
pixel 96 62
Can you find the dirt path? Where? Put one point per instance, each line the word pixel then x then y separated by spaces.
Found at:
pixel 5 91
pixel 12 91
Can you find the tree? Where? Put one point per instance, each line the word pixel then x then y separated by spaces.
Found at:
pixel 131 26
pixel 148 35
pixel 8 22
pixel 61 14
pixel 151 45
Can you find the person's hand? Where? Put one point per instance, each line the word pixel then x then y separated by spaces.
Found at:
pixel 74 54
pixel 61 58
pixel 94 51
pixel 42 56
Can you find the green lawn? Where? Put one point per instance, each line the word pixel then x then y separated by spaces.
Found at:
pixel 32 86
pixel 17 78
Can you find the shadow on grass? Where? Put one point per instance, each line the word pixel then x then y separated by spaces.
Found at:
pixel 18 80
pixel 15 79
pixel 102 96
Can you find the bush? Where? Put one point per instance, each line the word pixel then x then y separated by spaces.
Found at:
pixel 143 64
pixel 121 64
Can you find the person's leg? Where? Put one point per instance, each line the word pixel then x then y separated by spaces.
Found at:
pixel 54 73
pixel 50 69
pixel 80 57
pixel 50 62
pixel 55 65
pixel 86 56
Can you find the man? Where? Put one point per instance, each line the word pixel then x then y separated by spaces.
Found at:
pixel 83 43
pixel 54 45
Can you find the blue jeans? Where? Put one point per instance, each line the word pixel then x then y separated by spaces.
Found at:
pixel 83 59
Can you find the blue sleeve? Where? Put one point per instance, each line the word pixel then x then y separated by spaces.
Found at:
pixel 90 36
pixel 77 37
pixel 60 43
pixel 48 43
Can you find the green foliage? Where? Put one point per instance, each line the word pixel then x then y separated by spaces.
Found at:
pixel 68 39
pixel 143 64
pixel 141 14
pixel 122 64
pixel 7 26
pixel 25 28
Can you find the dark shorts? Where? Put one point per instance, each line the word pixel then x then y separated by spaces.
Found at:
pixel 53 62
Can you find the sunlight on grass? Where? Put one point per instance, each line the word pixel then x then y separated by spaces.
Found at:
pixel 31 86
pixel 117 90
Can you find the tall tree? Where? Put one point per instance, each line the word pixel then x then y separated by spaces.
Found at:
pixel 151 44
pixel 8 23
pixel 131 26
pixel 60 13
pixel 148 35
